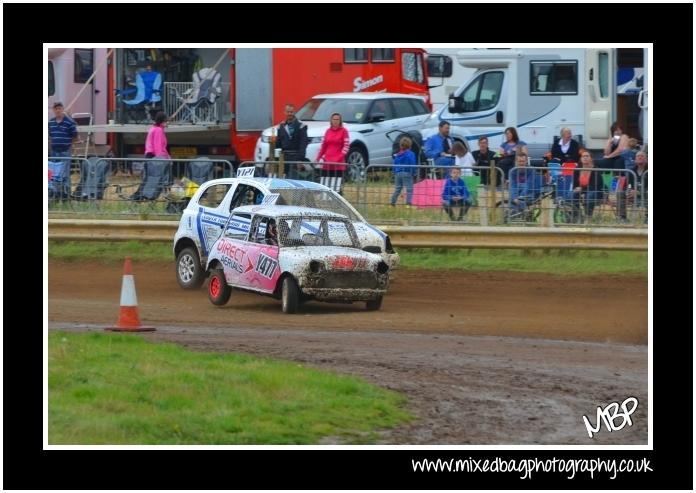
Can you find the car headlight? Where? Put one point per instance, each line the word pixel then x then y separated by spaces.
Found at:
pixel 316 140
pixel 265 138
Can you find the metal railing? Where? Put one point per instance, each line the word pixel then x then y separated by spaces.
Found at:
pixel 97 187
pixel 549 196
pixel 203 112
pixel 422 188
pixel 401 236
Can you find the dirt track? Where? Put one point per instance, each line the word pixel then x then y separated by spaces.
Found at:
pixel 438 338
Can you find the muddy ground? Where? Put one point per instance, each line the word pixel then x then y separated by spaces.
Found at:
pixel 484 358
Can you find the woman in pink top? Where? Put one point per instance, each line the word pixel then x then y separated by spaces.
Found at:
pixel 156 141
pixel 334 148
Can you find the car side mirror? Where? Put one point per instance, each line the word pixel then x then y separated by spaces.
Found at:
pixel 377 117
pixel 456 105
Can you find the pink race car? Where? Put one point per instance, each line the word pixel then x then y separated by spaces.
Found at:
pixel 295 254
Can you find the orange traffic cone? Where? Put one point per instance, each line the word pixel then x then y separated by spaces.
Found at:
pixel 128 319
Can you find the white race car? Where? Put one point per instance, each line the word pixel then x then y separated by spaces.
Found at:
pixel 210 207
pixel 295 254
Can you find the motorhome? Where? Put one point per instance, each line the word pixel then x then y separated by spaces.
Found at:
pixel 445 74
pixel 539 91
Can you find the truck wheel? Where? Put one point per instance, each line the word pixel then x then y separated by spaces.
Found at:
pixel 290 295
pixel 189 273
pixel 373 305
pixel 218 290
pixel 357 162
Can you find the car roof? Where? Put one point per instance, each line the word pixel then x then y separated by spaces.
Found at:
pixel 271 183
pixel 286 210
pixel 367 95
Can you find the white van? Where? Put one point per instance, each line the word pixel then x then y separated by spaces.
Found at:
pixel 539 91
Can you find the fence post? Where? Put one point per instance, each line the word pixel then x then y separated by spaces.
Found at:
pixel 547 207
pixel 492 179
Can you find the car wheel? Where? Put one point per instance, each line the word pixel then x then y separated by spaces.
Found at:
pixel 357 162
pixel 218 290
pixel 375 304
pixel 290 295
pixel 189 273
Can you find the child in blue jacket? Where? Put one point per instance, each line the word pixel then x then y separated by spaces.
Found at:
pixel 404 171
pixel 455 195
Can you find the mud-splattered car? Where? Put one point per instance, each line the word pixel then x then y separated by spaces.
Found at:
pixel 294 254
pixel 209 208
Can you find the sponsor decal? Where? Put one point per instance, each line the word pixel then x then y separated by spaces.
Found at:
pixel 360 85
pixel 266 266
pixel 234 258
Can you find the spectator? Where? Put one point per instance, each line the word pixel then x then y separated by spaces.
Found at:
pixel 483 157
pixel 292 140
pixel 403 175
pixel 637 189
pixel 62 132
pixel 455 196
pixel 463 159
pixel 507 150
pixel 566 150
pixel 587 183
pixel 615 145
pixel 333 150
pixel 156 140
pixel 439 146
pixel 629 154
pixel 525 183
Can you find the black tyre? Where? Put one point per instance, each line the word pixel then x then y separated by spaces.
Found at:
pixel 218 290
pixel 189 272
pixel 373 305
pixel 290 295
pixel 357 162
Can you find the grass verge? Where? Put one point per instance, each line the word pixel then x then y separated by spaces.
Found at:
pixel 121 389
pixel 563 262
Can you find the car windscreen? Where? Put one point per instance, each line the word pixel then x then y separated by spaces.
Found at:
pixel 325 200
pixel 316 231
pixel 351 110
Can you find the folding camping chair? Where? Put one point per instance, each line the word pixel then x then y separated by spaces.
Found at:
pixel 148 96
pixel 199 101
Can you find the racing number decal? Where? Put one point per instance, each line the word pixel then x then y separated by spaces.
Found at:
pixel 266 266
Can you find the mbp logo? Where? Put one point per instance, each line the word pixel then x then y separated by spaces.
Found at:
pixel 609 414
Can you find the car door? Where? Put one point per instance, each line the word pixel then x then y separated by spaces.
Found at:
pixel 378 145
pixel 407 114
pixel 258 267
pixel 210 216
pixel 230 249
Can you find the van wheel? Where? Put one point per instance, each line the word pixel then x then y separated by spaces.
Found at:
pixel 290 295
pixel 373 305
pixel 357 162
pixel 218 290
pixel 189 272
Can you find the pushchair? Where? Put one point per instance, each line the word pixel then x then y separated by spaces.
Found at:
pixel 524 203
pixel 416 146
pixel 199 101
pixel 197 172
pixel 148 97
